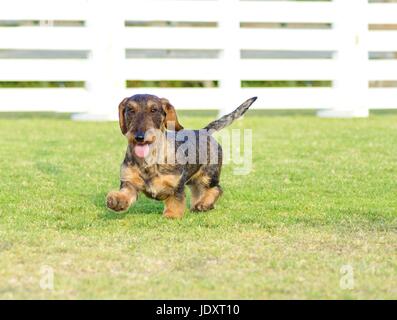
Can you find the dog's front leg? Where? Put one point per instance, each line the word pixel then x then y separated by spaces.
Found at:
pixel 175 206
pixel 122 200
pixel 130 184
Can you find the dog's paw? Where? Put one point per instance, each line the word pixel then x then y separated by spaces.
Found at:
pixel 202 207
pixel 169 214
pixel 118 201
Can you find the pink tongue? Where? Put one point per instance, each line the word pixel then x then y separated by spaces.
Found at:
pixel 142 150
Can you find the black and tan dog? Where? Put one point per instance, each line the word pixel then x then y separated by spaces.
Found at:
pixel 189 157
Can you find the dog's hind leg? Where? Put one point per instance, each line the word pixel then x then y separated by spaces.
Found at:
pixel 206 199
pixel 196 192
pixel 205 188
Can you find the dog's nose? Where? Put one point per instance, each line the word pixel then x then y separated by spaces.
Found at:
pixel 139 136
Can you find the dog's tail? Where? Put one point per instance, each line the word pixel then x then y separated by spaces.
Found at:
pixel 229 118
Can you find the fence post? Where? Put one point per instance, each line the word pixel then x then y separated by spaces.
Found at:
pixel 351 81
pixel 230 82
pixel 105 83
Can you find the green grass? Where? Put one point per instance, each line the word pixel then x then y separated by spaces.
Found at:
pixel 322 194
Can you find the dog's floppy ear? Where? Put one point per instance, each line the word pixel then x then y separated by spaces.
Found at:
pixel 170 115
pixel 123 125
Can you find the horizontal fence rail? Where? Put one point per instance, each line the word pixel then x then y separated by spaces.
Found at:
pixel 79 55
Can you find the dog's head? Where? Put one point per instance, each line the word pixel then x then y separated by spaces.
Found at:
pixel 141 116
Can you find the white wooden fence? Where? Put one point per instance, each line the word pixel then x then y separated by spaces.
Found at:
pixel 106 37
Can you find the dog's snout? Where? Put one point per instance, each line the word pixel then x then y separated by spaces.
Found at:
pixel 140 136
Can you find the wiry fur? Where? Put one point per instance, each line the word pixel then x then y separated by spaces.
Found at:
pixel 227 120
pixel 167 182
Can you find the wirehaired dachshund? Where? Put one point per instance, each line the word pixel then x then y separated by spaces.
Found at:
pixel 162 157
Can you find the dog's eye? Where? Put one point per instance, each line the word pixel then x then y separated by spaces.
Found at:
pixel 153 110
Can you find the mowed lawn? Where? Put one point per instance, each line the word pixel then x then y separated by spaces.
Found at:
pixel 322 195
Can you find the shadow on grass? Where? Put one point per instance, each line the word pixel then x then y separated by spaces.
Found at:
pixel 142 206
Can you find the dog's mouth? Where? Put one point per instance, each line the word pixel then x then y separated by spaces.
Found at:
pixel 142 149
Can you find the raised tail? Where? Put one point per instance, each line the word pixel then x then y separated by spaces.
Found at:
pixel 229 118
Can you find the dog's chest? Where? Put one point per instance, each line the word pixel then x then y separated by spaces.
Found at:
pixel 160 186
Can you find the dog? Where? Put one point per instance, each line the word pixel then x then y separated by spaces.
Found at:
pixel 190 158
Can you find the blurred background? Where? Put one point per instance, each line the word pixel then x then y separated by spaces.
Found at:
pixel 83 56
